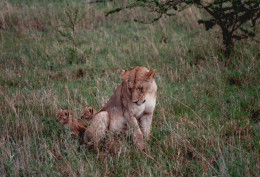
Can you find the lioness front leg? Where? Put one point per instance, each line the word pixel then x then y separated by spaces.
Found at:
pixel 137 133
pixel 145 123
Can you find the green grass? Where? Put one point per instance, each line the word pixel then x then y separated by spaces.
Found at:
pixel 206 121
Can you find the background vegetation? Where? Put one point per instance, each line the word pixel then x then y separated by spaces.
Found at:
pixel 206 120
pixel 237 19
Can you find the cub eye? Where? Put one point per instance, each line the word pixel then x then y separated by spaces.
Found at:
pixel 130 89
pixel 66 114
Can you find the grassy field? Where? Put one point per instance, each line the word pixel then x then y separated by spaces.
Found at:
pixel 206 120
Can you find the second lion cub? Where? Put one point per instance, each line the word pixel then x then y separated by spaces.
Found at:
pixel 88 113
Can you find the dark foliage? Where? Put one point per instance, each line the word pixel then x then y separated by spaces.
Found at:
pixel 237 19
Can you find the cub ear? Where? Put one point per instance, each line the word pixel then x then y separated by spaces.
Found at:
pixel 150 74
pixel 124 74
pixel 58 113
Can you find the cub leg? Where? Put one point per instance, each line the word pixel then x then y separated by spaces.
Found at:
pixel 97 129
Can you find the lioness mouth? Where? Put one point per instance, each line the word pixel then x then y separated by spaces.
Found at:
pixel 139 103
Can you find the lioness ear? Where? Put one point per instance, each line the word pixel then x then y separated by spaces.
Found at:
pixel 151 74
pixel 124 74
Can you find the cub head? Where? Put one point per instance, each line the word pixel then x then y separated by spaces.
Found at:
pixel 88 113
pixel 139 81
pixel 62 116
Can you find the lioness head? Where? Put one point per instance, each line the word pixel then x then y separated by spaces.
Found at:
pixel 62 116
pixel 139 81
pixel 88 113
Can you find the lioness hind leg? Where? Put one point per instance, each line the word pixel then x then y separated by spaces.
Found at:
pixel 97 129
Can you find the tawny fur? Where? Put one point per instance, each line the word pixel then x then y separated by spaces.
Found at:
pixel 130 108
pixel 77 126
pixel 88 113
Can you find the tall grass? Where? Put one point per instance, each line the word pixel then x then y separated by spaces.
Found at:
pixel 206 120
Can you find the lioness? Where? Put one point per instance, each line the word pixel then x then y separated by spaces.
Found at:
pixel 88 113
pixel 77 126
pixel 130 107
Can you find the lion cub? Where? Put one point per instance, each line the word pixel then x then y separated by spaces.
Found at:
pixel 77 126
pixel 88 113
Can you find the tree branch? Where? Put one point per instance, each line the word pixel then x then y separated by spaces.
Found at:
pixel 244 18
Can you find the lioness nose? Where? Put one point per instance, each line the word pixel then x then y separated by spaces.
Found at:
pixel 136 102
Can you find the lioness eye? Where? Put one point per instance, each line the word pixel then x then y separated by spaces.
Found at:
pixel 130 89
pixel 140 89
